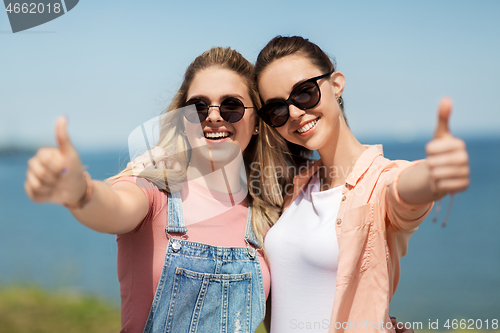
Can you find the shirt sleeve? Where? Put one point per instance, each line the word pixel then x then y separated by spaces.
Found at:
pixel 157 199
pixel 402 215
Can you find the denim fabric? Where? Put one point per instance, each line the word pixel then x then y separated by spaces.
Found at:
pixel 206 288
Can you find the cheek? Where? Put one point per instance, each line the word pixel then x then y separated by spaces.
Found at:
pixel 246 126
pixel 244 131
pixel 252 118
pixel 283 131
pixel 194 134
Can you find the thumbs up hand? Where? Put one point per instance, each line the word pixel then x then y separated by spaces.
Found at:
pixel 55 174
pixel 447 157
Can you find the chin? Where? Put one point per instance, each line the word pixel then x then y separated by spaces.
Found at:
pixel 313 144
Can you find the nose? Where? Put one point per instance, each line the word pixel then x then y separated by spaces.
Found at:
pixel 214 117
pixel 295 112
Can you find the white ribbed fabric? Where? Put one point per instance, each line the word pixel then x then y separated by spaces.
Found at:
pixel 303 254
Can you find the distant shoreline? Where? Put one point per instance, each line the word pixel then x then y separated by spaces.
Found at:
pixel 382 139
pixel 17 150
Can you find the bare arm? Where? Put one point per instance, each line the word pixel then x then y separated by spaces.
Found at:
pixel 115 210
pixel 56 175
pixel 445 170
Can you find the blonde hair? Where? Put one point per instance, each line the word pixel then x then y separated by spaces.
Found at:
pixel 265 149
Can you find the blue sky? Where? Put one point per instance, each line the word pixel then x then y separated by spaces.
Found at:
pixel 111 65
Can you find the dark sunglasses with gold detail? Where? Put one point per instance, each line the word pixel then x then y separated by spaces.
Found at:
pixel 304 96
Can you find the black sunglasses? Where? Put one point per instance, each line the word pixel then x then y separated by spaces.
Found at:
pixel 304 96
pixel 231 110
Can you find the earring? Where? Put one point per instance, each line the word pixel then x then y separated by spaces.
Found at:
pixel 256 130
pixel 339 100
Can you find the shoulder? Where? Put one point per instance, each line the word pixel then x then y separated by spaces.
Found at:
pixel 139 181
pixel 382 174
pixel 149 188
pixel 390 170
pixel 157 199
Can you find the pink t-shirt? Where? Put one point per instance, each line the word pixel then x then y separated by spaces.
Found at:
pixel 141 252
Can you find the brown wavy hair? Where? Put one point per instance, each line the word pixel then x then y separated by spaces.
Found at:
pixel 282 46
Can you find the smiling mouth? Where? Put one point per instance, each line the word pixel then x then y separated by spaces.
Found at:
pixel 308 126
pixel 216 135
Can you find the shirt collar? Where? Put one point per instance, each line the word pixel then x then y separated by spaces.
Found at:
pixel 364 162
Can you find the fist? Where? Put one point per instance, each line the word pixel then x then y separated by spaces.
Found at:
pixel 55 174
pixel 447 157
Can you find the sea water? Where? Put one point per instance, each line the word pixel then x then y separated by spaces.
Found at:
pixel 448 273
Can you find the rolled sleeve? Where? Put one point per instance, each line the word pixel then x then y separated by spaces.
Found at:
pixel 402 215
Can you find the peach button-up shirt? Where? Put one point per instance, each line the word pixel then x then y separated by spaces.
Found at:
pixel 373 228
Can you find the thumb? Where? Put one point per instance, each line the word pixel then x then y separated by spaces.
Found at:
pixel 444 112
pixel 62 136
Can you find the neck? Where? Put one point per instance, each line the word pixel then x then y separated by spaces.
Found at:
pixel 339 157
pixel 221 176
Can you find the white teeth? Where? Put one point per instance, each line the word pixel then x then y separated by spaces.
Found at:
pixel 216 135
pixel 307 126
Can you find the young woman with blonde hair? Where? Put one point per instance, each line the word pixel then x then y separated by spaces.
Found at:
pixel 189 238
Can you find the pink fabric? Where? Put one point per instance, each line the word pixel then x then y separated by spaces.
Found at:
pixel 141 253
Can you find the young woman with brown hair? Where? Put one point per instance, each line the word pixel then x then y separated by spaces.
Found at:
pixel 335 251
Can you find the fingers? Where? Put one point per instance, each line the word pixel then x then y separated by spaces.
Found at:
pixel 47 173
pixel 62 136
pixel 444 145
pixel 393 321
pixel 452 185
pixel 43 174
pixel 447 156
pixel 399 327
pixel 34 188
pixel 69 155
pixel 55 174
pixel 448 163
pixel 444 112
pixel 451 152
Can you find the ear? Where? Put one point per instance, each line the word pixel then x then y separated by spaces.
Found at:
pixel 338 82
pixel 256 127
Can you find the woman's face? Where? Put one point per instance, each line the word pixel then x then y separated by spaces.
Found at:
pixel 313 128
pixel 213 85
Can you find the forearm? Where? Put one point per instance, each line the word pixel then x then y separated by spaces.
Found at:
pixel 415 185
pixel 113 210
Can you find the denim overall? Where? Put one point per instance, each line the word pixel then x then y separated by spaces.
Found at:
pixel 206 288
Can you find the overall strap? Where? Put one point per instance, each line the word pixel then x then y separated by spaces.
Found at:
pixel 175 215
pixel 249 233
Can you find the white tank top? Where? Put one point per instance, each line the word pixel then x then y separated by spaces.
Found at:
pixel 303 251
